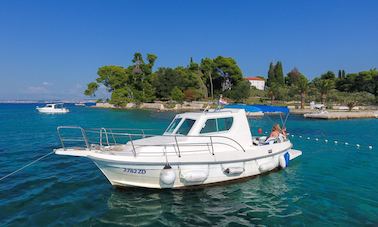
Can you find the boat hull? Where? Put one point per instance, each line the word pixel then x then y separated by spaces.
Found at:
pixel 187 175
pixel 53 111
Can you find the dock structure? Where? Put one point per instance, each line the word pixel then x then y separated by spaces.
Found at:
pixel 337 115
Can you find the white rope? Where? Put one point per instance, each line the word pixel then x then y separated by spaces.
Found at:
pixel 29 164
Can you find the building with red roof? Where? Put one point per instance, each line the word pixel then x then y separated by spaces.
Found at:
pixel 257 82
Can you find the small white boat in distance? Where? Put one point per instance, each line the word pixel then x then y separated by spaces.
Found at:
pixel 201 148
pixel 80 104
pixel 53 108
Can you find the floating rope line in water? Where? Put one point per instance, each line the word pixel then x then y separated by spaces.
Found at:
pixel 29 164
pixel 336 142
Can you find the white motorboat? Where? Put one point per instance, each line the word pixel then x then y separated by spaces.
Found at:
pixel 53 108
pixel 80 104
pixel 202 148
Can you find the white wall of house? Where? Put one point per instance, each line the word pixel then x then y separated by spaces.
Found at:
pixel 259 84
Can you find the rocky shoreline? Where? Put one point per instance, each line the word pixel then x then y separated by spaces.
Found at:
pixel 338 115
pixel 159 106
pixel 334 114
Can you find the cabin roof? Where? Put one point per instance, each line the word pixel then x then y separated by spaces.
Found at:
pixel 209 113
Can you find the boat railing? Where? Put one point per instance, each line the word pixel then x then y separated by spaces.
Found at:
pixel 73 138
pixel 103 138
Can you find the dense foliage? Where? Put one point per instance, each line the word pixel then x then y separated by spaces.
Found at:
pixel 210 78
pixel 348 89
pixel 139 83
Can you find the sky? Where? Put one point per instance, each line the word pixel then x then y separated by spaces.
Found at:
pixel 52 49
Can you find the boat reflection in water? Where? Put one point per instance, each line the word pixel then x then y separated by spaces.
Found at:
pixel 242 202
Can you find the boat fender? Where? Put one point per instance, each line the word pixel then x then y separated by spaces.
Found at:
pixel 284 160
pixel 234 170
pixel 265 167
pixel 167 175
pixel 192 176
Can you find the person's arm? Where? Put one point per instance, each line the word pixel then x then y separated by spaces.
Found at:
pixel 284 132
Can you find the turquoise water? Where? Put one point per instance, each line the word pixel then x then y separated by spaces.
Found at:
pixel 330 184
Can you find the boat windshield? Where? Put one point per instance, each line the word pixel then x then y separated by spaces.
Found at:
pixel 185 127
pixel 173 125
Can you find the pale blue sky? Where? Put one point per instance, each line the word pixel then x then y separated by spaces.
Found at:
pixel 52 49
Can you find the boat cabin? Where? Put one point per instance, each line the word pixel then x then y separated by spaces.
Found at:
pixel 54 106
pixel 230 123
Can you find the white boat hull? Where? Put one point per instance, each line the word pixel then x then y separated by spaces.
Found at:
pixel 148 175
pixel 48 110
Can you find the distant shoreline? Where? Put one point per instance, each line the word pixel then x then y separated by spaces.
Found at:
pixel 338 113
pixel 44 101
pixel 332 114
pixel 159 106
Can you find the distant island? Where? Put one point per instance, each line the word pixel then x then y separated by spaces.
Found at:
pixel 211 78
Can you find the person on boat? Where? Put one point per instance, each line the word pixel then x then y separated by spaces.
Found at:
pixel 273 137
pixel 276 130
pixel 277 134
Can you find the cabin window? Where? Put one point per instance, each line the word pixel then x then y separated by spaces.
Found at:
pixel 185 127
pixel 173 125
pixel 217 125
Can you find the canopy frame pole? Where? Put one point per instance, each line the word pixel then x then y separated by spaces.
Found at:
pixel 287 116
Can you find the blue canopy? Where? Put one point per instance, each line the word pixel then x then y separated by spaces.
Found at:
pixel 247 108
pixel 260 108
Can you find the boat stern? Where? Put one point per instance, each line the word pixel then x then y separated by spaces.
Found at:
pixel 294 153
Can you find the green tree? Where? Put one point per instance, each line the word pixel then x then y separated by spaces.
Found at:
pixel 130 84
pixel 122 96
pixel 292 77
pixel 273 92
pixel 148 92
pixel 177 95
pixel 352 99
pixel 329 75
pixel 271 76
pixel 301 85
pixel 112 77
pixel 91 89
pixel 207 68
pixel 278 73
pixel 324 87
pixel 164 80
pixel 228 66
pixel 341 74
pixel 241 91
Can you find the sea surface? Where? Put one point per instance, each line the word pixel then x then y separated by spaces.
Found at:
pixel 331 184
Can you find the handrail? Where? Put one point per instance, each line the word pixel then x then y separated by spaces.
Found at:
pixel 187 136
pixel 114 140
pixel 106 136
pixel 62 139
pixel 176 143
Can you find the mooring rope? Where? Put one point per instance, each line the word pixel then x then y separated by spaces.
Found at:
pixel 29 164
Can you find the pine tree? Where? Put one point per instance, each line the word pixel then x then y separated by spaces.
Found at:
pixel 278 73
pixel 271 77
